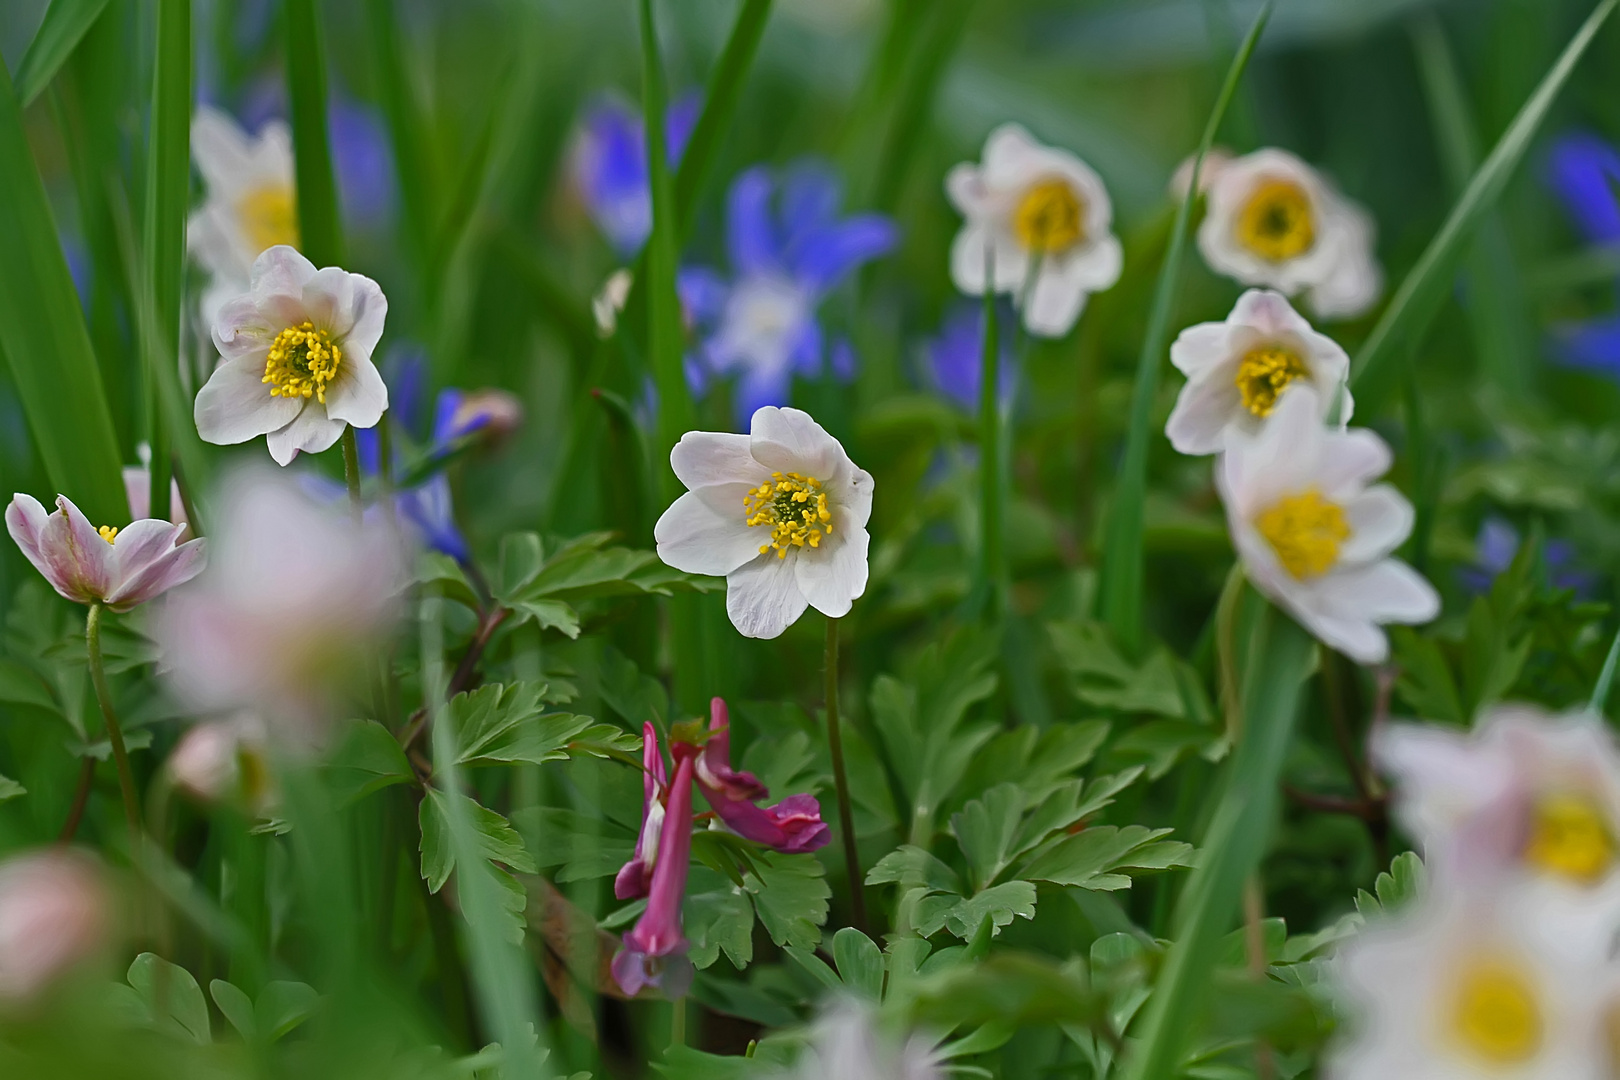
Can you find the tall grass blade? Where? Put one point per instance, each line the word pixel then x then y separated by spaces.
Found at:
pixel 1420 293
pixel 320 228
pixel 44 337
pixel 720 99
pixel 992 493
pixel 66 22
pixel 909 119
pixel 1122 547
pixel 406 128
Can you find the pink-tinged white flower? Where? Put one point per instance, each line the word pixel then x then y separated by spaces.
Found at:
pixel 654 952
pixel 792 825
pixel 780 512
pixel 1522 792
pixel 297 358
pixel 1237 369
pixel 1214 162
pixel 1476 985
pixel 138 488
pixel 298 599
pixel 1033 207
pixel 119 568
pixel 225 761
pixel 635 877
pixel 1314 537
pixel 55 914
pixel 250 204
pixel 1275 221
pixel 848 1043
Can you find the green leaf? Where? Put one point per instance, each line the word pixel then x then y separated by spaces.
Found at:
pixel 503 723
pixel 10 789
pixel 1000 904
pixel 368 758
pixel 790 894
pixel 985 828
pixel 406 128
pixel 65 24
pixel 718 916
pixel 320 229
pixel 584 846
pixel 912 866
pixel 21 685
pixel 550 615
pixel 283 1005
pixel 437 568
pixel 1069 804
pixel 1095 858
pixel 496 839
pixel 236 1007
pixel 860 963
pixel 522 556
pixel 173 1000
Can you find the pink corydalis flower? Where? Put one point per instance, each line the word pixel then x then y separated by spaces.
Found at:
pixel 792 825
pixel 55 913
pixel 120 568
pixel 654 952
pixel 636 877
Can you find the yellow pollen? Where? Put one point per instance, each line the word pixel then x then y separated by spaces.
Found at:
pixel 1263 374
pixel 1277 222
pixel 794 507
pixel 1570 837
pixel 302 362
pixel 1495 1014
pixel 108 532
pixel 1050 217
pixel 1305 531
pixel 269 216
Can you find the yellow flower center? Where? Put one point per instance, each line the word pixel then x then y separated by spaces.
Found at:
pixel 1496 1014
pixel 301 363
pixel 1049 218
pixel 1305 531
pixel 108 532
pixel 1277 222
pixel 1263 374
pixel 795 509
pixel 269 216
pixel 1569 836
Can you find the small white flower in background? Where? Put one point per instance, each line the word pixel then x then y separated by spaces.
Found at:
pixel 609 301
pixel 291 612
pixel 1313 536
pixel 1033 206
pixel 1523 791
pixel 780 513
pixel 846 1043
pixel 1236 371
pixel 297 358
pixel 225 761
pixel 1476 985
pixel 55 914
pixel 1214 162
pixel 1275 221
pixel 116 567
pixel 138 487
pixel 251 203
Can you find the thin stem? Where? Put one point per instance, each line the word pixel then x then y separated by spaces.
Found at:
pixel 98 676
pixel 351 470
pixel 846 816
pixel 1254 939
pixel 1600 692
pixel 1226 612
pixel 990 493
pixel 677 1022
pixel 81 799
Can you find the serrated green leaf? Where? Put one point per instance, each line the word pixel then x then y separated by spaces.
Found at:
pixel 912 866
pixel 437 568
pixel 508 722
pixel 497 840
pixel 368 758
pixel 985 828
pixel 999 903
pixel 718 916
pixel 1095 857
pixel 790 894
pixel 550 615
pixel 173 1001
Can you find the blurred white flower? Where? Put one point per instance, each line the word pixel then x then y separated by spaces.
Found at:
pixel 780 512
pixel 55 913
pixel 116 567
pixel 609 301
pixel 1275 221
pixel 225 761
pixel 1029 204
pixel 1214 162
pixel 1236 370
pixel 291 612
pixel 1313 536
pixel 138 488
pixel 1476 985
pixel 1522 791
pixel 297 358
pixel 846 1043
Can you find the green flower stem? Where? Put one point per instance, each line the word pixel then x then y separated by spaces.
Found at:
pixel 98 676
pixel 351 470
pixel 991 498
pixel 846 815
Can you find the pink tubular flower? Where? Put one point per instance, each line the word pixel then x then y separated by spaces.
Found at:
pixel 54 913
pixel 636 877
pixel 116 567
pixel 792 825
pixel 654 952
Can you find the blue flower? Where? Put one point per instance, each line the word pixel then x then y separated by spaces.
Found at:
pixel 955 357
pixel 788 249
pixel 362 155
pixel 609 166
pixel 1497 545
pixel 1584 170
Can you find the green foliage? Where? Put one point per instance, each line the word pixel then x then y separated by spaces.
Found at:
pixel 65 23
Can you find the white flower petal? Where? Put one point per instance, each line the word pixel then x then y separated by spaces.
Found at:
pixel 705 532
pixel 834 577
pixel 94 566
pixel 241 329
pixel 1012 158
pixel 974 241
pixel 358 396
pixel 310 431
pixel 703 458
pixel 789 440
pixel 369 315
pixel 329 300
pixel 235 404
pixel 1055 302
pixel 851 496
pixel 964 186
pixel 1204 411
pixel 1380 519
pixel 222 151
pixel 279 275
pixel 1389 591
pixel 763 597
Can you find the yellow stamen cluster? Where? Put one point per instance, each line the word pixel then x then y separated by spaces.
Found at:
pixel 1305 531
pixel 108 532
pixel 269 216
pixel 1569 836
pixel 794 507
pixel 301 363
pixel 1265 373
pixel 1050 218
pixel 1496 1014
pixel 1277 222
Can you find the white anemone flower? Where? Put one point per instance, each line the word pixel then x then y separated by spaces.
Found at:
pixel 1476 986
pixel 780 512
pixel 1275 221
pixel 1237 369
pixel 1030 206
pixel 251 203
pixel 848 1043
pixel 297 350
pixel 56 914
pixel 1523 791
pixel 1313 536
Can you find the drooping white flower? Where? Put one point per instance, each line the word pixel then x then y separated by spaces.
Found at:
pixel 1033 206
pixel 289 617
pixel 120 568
pixel 225 761
pixel 297 358
pixel 1275 221
pixel 1237 369
pixel 1476 986
pixel 848 1043
pixel 55 913
pixel 780 513
pixel 1313 536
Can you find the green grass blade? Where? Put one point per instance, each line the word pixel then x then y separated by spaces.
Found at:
pixel 320 228
pixel 915 100
pixel 1280 659
pixel 720 100
pixel 44 337
pixel 406 127
pixel 66 22
pixel 168 182
pixel 1600 692
pixel 992 492
pixel 1420 293
pixel 1122 548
